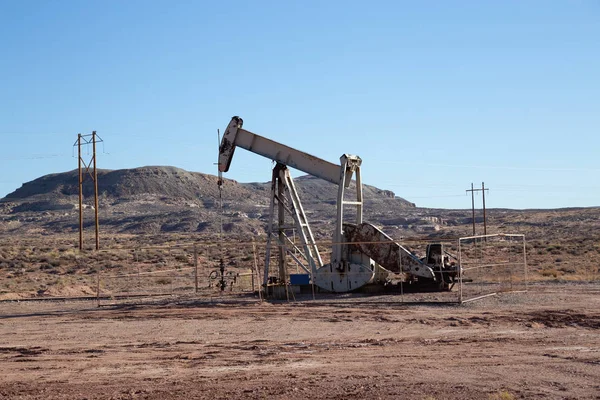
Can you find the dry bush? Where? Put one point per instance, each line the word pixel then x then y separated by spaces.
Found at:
pixel 550 272
pixel 502 395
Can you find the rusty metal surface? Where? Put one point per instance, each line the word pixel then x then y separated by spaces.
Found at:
pixel 227 146
pixel 392 256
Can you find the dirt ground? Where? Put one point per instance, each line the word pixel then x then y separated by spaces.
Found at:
pixel 544 344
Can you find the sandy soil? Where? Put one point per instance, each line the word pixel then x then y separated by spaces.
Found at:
pixel 544 344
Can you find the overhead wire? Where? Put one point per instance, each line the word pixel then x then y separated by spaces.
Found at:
pixel 33 157
pixel 512 188
pixel 496 167
pixel 509 188
pixel 31 134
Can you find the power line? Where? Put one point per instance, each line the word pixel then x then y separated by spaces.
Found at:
pixel 92 171
pixel 30 134
pixel 34 157
pixel 43 157
pixel 482 190
pixel 431 197
pixel 567 169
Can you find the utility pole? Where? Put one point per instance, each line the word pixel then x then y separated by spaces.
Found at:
pixel 89 169
pixel 95 178
pixel 483 189
pixel 473 206
pixel 80 193
pixel 195 268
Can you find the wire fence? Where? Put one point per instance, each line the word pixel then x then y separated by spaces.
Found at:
pixel 490 264
pixel 196 269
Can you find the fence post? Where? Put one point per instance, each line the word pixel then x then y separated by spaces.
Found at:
pixel 98 285
pixel 460 274
pixel 195 268
pixel 256 270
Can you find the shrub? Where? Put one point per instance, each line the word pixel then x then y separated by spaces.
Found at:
pixel 550 272
pixel 54 262
pixel 181 258
pixel 502 395
pixel 112 265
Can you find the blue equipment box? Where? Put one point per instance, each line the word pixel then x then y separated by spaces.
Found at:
pixel 299 279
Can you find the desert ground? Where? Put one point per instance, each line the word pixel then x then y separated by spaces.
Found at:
pixel 152 334
pixel 542 344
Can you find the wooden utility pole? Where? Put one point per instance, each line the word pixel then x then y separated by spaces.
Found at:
pixel 483 189
pixel 91 171
pixel 473 206
pixel 95 178
pixel 472 190
pixel 80 193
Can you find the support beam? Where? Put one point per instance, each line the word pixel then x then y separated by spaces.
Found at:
pixel 235 136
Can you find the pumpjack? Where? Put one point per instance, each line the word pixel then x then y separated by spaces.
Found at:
pixel 361 253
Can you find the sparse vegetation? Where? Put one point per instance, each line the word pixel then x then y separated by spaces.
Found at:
pixel 502 395
pixel 166 228
pixel 164 281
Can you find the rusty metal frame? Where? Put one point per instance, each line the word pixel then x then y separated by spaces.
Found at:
pixel 285 196
pixel 461 298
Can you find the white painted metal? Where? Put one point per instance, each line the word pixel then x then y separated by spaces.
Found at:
pixel 235 136
pixel 338 276
pixel 299 262
pixel 306 236
pixel 375 243
pixel 349 165
pixel 353 277
pixel 479 297
pixel 282 189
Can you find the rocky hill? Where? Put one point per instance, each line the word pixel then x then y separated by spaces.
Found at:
pixel 165 205
pixel 158 199
pixel 160 182
pixel 155 200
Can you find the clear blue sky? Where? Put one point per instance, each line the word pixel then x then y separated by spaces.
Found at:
pixel 433 95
